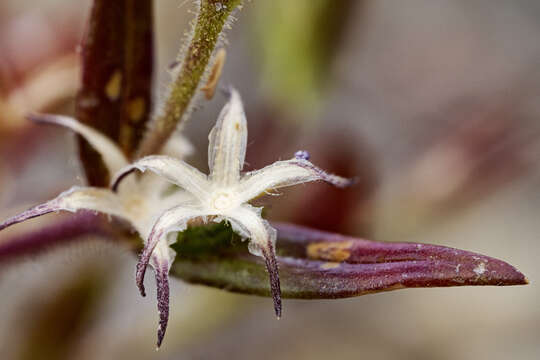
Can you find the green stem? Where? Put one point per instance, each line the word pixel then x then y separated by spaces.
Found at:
pixel 212 18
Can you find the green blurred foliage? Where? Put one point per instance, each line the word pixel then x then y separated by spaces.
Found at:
pixel 296 46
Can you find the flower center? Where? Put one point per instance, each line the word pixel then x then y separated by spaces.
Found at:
pixel 222 201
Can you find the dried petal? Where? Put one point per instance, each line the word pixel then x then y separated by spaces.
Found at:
pixel 210 87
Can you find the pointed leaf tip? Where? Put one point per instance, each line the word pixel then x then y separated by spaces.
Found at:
pixel 409 264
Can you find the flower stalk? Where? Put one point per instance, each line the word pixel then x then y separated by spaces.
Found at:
pixel 212 18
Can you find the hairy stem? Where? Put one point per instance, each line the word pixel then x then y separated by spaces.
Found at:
pixel 211 20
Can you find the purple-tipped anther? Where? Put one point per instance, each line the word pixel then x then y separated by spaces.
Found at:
pixel 273 272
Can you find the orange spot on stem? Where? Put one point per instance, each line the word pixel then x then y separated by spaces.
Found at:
pixel 330 251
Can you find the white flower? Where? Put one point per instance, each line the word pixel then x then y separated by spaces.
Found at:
pixel 224 194
pixel 140 201
pixel 158 215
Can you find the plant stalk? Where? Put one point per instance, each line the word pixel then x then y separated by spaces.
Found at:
pixel 211 20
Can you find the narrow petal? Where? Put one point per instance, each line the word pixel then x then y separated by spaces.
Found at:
pixel 227 143
pixel 173 170
pixel 247 222
pixel 162 283
pixel 175 219
pixel 76 198
pixel 112 156
pixel 285 173
pixel 177 147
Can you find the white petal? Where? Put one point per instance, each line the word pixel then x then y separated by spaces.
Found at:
pixel 173 170
pixel 246 220
pixel 172 220
pixel 111 154
pixel 227 143
pixel 77 198
pixel 284 173
pixel 177 147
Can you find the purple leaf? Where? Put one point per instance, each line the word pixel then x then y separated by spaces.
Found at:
pixel 312 264
pixel 320 265
pixel 55 234
pixel 117 63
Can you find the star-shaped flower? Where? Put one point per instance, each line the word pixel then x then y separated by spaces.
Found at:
pixel 157 215
pixel 224 194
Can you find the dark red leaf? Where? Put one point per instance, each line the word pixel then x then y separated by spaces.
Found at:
pixel 117 62
pixel 320 265
pixel 312 264
pixel 60 232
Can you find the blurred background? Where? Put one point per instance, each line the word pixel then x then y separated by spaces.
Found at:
pixel 435 106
